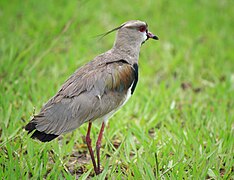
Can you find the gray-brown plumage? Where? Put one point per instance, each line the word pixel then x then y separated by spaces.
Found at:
pixel 97 89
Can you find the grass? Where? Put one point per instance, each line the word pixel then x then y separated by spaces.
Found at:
pixel 180 121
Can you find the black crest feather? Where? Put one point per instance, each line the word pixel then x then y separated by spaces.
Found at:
pixel 108 32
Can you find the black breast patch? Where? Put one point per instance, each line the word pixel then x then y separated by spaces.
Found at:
pixel 135 68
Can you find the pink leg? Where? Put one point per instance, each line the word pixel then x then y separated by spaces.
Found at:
pixel 98 146
pixel 89 141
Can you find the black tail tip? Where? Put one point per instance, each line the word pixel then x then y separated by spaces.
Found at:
pixel 42 136
pixel 30 127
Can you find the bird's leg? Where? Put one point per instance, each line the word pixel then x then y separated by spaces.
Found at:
pixel 98 146
pixel 88 141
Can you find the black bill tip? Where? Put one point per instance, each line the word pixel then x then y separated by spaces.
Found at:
pixel 155 37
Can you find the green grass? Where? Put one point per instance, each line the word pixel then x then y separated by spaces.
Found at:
pixel 180 121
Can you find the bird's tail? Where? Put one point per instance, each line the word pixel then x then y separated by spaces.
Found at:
pixel 42 136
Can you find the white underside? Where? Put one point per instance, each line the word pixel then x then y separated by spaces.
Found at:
pixel 110 114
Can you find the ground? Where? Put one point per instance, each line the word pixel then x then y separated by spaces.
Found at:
pixel 179 122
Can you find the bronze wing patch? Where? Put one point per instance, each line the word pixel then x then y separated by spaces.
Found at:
pixel 123 76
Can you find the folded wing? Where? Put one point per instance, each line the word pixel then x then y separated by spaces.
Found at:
pixel 90 93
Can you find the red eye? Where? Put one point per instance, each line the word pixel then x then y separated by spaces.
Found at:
pixel 142 28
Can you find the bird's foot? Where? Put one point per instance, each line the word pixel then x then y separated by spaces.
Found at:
pixel 98 171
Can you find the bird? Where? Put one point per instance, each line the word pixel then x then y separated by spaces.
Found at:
pixel 94 91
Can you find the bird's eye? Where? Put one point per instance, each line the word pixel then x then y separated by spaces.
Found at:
pixel 142 28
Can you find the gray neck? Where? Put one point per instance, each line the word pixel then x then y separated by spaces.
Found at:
pixel 127 48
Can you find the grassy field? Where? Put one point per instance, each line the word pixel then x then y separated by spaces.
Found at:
pixel 180 121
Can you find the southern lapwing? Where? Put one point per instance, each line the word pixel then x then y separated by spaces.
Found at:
pixel 96 90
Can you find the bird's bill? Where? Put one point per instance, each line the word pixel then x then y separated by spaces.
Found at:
pixel 152 36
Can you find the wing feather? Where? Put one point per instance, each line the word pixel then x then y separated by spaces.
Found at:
pixel 90 93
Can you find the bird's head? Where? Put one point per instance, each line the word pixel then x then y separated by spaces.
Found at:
pixel 131 35
pixel 135 31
